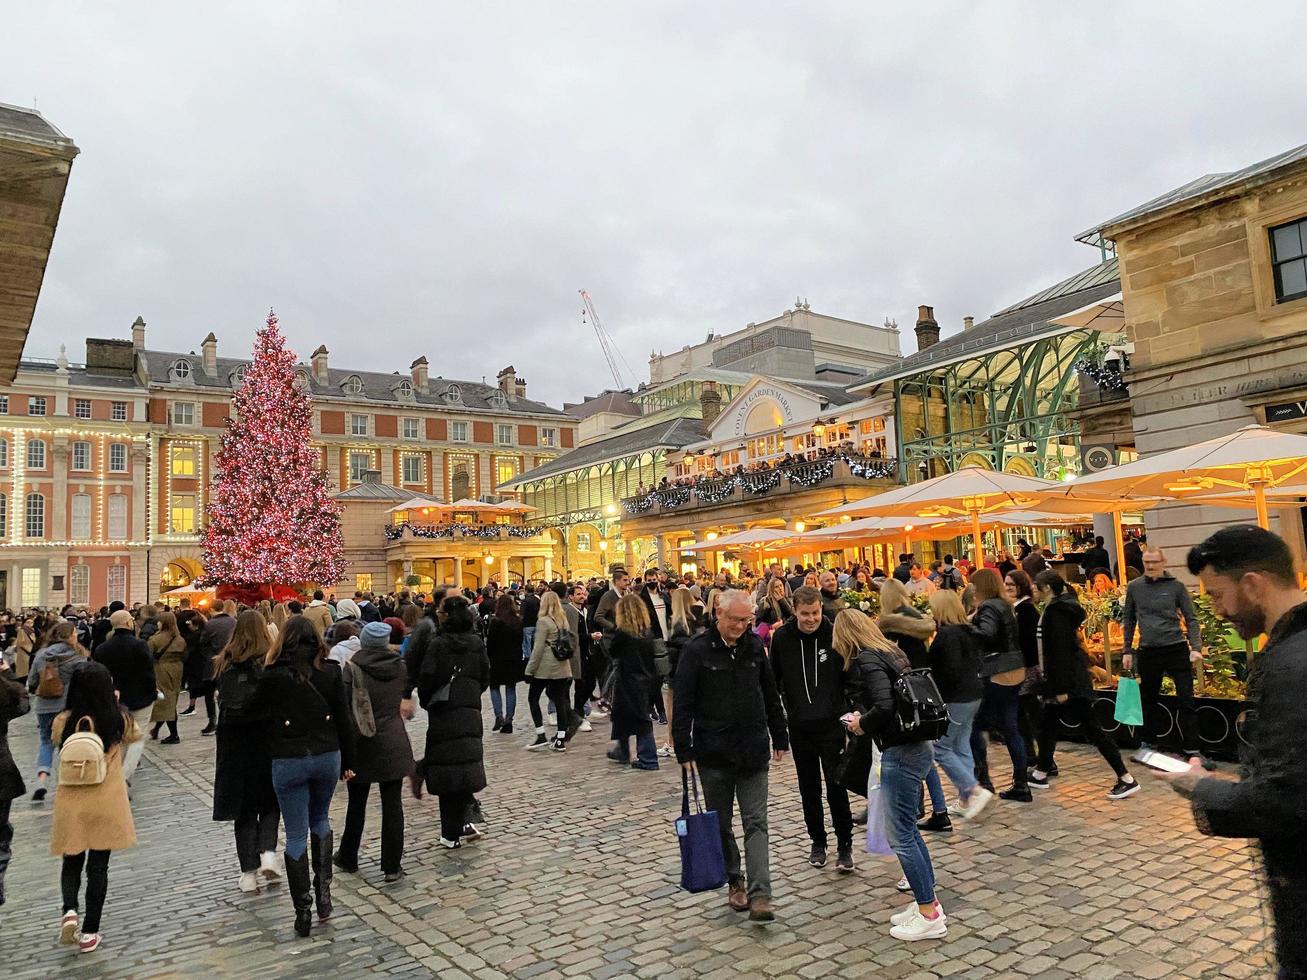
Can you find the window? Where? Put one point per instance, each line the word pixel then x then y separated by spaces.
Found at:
pixel 183 413
pixel 458 431
pixel 362 581
pixel 4 404
pixel 4 452
pixel 117 583
pixel 505 470
pixel 453 395
pixel 118 517
pixel 4 516
pixel 301 381
pixel 35 516
pixel 31 586
pixel 36 405
pixel 1289 260
pixel 183 460
pixel 36 455
pixel 583 541
pixel 405 391
pixel 118 411
pixel 180 370
pixel 353 385
pixel 81 516
pixel 359 463
pixel 79 585
pixel 118 458
pixel 548 437
pixel 504 434
pixel 82 408
pixel 81 455
pixel 358 425
pixel 182 515
pixel 410 469
pixel 409 428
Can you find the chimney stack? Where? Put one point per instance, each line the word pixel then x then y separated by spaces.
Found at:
pixel 320 364
pixel 927 328
pixel 968 322
pixel 138 334
pixel 210 350
pixel 421 378
pixel 371 476
pixel 710 402
pixel 507 380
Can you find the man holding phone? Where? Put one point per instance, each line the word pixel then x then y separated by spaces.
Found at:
pixel 1250 575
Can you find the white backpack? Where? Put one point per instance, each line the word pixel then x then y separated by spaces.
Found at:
pixel 81 758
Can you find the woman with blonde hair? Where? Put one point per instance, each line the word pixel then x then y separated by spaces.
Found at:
pixel 903 624
pixel 631 650
pixel 242 778
pixel 547 673
pixel 169 651
pixel 774 609
pixel 1004 668
pixel 278 618
pixel 680 627
pixel 872 665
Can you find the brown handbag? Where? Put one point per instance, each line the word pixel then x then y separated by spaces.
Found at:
pixel 51 684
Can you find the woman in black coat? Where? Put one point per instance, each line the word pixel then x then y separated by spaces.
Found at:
pixel 1003 668
pixel 452 670
pixel 632 651
pixel 385 757
pixel 13 704
pixel 504 648
pixel 1021 593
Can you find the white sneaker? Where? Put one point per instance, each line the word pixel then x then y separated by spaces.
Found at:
pixel 665 752
pixel 919 927
pixel 902 885
pixel 585 726
pixel 553 720
pixel 249 882
pixel 955 809
pixel 68 928
pixel 268 866
pixel 905 914
pixel 450 844
pixel 977 801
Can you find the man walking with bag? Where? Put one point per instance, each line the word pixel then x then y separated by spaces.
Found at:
pixel 728 723
pixel 1157 603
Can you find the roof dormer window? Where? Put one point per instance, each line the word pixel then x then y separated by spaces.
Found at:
pixel 237 377
pixel 497 399
pixel 301 380
pixel 353 385
pixel 405 391
pixel 453 395
pixel 180 370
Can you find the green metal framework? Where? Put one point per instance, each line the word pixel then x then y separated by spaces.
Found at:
pixel 1003 410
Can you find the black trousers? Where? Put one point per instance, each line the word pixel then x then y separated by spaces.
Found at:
pixel 255 832
pixel 1076 710
pixel 6 844
pixel 392 823
pixel 817 750
pixel 558 694
pixel 1154 663
pixel 97 885
pixel 581 691
pixel 453 814
pixel 1287 886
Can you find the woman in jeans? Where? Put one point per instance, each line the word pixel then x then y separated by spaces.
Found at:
pixel 384 757
pixel 242 778
pixel 311 742
pixel 1003 668
pixel 90 822
pixel 61 649
pixel 872 664
pixel 547 673
pixel 632 650
pixel 955 666
pixel 504 647
pixel 1068 690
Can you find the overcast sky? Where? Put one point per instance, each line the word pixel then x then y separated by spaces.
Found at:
pixel 433 178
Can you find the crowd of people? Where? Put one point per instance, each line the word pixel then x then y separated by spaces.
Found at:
pixel 817 454
pixel 736 674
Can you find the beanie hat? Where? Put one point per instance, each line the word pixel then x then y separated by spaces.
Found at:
pixel 122 620
pixel 375 636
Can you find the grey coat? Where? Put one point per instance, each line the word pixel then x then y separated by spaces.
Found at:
pixel 544 666
pixel 70 663
pixel 388 755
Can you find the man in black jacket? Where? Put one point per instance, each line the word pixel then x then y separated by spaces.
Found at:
pixel 810 677
pixel 1250 576
pixel 217 631
pixel 727 723
pixel 132 667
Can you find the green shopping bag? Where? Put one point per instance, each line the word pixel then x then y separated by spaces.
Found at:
pixel 1129 707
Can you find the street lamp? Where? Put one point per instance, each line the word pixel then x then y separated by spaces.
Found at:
pixel 799 526
pixel 712 535
pixel 603 545
pixel 610 510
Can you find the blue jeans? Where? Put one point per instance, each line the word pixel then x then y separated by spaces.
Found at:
pixel 507 700
pixel 646 747
pixel 304 789
pixel 528 641
pixel 902 768
pixel 45 752
pixel 953 751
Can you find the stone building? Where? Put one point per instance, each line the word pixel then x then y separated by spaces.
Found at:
pixel 1214 284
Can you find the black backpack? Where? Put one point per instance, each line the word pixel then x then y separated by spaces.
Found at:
pixel 919 710
pixel 561 644
pixel 950 578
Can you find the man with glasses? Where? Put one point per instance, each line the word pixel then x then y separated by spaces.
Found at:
pixel 1158 604
pixel 728 724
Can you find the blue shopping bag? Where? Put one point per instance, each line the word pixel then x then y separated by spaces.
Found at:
pixel 1129 707
pixel 703 865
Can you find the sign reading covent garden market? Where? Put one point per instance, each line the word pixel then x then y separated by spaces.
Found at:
pixel 777 396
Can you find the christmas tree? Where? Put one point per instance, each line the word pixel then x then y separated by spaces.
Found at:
pixel 271 519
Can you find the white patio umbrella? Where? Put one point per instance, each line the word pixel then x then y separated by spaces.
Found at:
pixel 416 503
pixel 754 537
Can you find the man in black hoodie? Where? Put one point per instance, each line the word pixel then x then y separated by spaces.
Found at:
pixel 132 666
pixel 810 676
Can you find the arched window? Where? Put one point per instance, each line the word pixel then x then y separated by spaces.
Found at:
pixel 35 516
pixel 353 385
pixel 180 370
pixel 36 455
pixel 453 395
pixel 237 377
pixel 301 380
pixel 405 391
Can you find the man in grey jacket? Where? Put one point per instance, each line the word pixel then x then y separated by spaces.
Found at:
pixel 1157 604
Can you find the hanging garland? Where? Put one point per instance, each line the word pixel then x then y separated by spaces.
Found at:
pixel 759 483
pixel 1101 375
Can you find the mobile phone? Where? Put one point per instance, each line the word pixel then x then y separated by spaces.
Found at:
pixel 846 719
pixel 1160 760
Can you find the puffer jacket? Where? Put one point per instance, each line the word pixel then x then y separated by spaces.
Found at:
pixel 1000 647
pixel 455 757
pixel 909 629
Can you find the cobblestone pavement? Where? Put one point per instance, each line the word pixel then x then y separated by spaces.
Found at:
pixel 578 877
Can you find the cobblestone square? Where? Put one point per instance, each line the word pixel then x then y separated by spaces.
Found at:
pixel 578 877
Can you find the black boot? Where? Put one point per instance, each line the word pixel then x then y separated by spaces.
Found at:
pixel 982 776
pixel 321 850
pixel 301 893
pixel 4 866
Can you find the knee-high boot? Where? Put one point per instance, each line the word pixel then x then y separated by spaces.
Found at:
pixel 320 846
pixel 301 893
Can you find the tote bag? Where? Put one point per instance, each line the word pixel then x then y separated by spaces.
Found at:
pixel 1129 709
pixel 703 866
pixel 877 839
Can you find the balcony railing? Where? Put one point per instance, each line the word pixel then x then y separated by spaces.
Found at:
pixel 844 469
pixel 456 531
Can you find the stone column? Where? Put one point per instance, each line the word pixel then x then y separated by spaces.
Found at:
pixel 503 572
pixel 458 572
pixel 549 568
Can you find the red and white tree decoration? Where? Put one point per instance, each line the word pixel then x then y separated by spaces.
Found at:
pixel 271 519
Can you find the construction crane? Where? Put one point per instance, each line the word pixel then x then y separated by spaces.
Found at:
pixel 611 354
